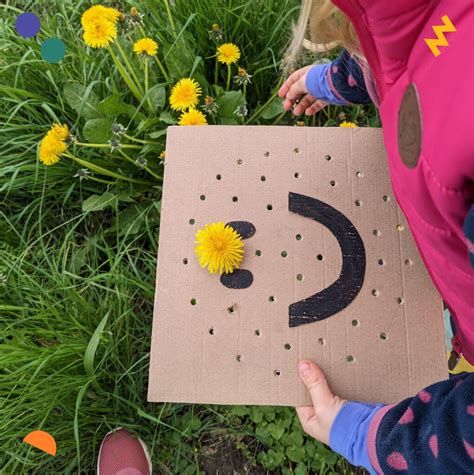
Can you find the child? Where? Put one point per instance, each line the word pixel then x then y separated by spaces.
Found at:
pixel 417 86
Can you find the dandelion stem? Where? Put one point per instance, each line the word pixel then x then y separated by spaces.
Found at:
pixel 245 90
pixel 126 77
pixel 278 119
pixel 105 145
pixel 170 16
pixel 129 66
pixel 158 177
pixel 216 72
pixel 158 62
pixel 163 71
pixel 145 67
pixel 93 178
pixel 105 171
pixel 259 111
pixel 228 78
pixel 133 139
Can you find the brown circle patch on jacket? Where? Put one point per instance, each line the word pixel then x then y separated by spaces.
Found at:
pixel 409 127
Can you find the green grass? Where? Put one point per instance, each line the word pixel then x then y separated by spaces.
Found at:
pixel 77 287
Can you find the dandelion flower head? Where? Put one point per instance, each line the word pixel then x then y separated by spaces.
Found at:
pixel 219 248
pixel 185 94
pixel 228 53
pixel 98 13
pixel 192 117
pixel 100 33
pixel 146 46
pixel 53 144
pixel 348 124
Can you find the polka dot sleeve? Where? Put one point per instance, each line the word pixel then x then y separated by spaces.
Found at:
pixel 432 432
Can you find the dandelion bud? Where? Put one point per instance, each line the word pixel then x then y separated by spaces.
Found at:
pixel 118 129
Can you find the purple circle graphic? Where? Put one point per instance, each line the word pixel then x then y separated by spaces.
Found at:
pixel 27 25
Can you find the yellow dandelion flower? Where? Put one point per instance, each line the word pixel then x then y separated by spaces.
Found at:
pixel 185 94
pixel 163 154
pixel 61 132
pixel 348 124
pixel 146 46
pixel 97 13
pixel 228 53
pixel 50 150
pixel 192 117
pixel 219 248
pixel 53 144
pixel 100 33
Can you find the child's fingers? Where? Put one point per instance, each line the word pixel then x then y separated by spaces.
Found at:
pixel 315 107
pixel 289 82
pixel 304 104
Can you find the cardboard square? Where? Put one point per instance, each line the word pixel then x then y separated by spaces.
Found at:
pixel 213 344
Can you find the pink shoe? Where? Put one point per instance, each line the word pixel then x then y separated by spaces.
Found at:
pixel 121 453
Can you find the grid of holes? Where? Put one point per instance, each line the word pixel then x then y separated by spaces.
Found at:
pixel 376 232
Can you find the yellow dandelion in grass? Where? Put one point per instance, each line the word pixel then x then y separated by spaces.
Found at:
pixel 185 94
pixel 219 248
pixel 98 13
pixel 146 46
pixel 192 117
pixel 60 132
pixel 100 33
pixel 53 144
pixel 228 53
pixel 348 124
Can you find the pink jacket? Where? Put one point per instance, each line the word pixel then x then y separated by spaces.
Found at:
pixel 426 106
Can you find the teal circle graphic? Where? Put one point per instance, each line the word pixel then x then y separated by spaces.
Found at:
pixel 53 50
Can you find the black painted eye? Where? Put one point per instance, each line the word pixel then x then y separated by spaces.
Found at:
pixel 244 228
pixel 240 278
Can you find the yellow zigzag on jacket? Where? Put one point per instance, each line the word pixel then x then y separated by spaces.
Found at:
pixel 441 40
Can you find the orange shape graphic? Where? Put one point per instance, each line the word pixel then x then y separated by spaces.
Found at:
pixel 42 441
pixel 440 39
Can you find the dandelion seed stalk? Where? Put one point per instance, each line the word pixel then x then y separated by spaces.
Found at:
pixel 133 139
pixel 105 171
pixel 105 145
pixel 129 159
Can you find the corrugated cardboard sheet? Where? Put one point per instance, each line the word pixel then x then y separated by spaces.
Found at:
pixel 235 346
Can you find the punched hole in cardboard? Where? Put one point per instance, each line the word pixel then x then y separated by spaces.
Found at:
pixel 287 346
pixel 277 372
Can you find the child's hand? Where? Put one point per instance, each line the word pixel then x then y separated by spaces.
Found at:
pixel 294 88
pixel 318 418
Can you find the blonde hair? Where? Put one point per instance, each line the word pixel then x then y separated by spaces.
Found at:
pixel 329 28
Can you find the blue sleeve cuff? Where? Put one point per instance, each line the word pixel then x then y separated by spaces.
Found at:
pixel 317 85
pixel 349 430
